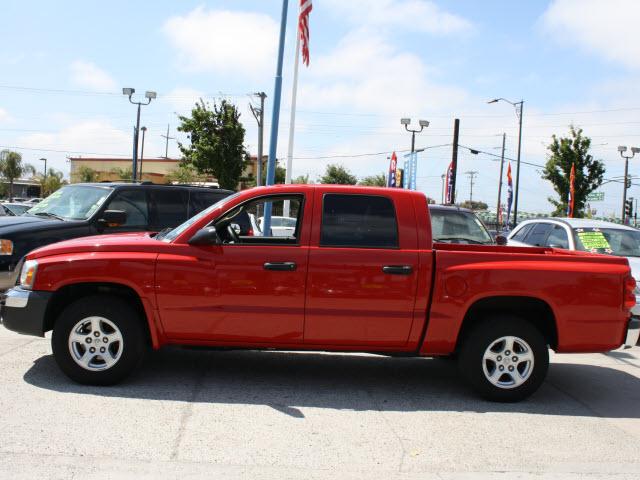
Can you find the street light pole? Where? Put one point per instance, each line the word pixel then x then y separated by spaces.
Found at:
pixel 423 124
pixel 45 167
pixel 519 106
pixel 498 223
pixel 144 130
pixel 149 95
pixel 623 149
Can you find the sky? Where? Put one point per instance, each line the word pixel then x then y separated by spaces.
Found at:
pixel 372 62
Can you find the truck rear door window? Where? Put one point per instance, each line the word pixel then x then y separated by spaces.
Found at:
pixel 366 221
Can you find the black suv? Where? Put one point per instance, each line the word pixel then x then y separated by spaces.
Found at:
pixel 84 209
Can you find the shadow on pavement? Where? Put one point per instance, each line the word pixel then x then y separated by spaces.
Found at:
pixel 289 381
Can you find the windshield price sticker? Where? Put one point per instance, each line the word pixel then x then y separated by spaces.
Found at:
pixel 594 240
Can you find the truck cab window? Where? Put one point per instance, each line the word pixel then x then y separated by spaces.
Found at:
pixel 246 224
pixel 365 221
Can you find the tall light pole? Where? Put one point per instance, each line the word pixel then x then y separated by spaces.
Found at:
pixel 144 130
pixel 412 164
pixel 623 149
pixel 498 223
pixel 258 113
pixel 519 107
pixel 149 95
pixel 45 166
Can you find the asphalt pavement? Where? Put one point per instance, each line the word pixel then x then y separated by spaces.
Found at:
pixel 280 415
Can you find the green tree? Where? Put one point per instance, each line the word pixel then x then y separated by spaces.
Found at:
pixel 52 182
pixel 86 174
pixel 374 181
pixel 185 173
pixel 281 174
pixel 216 142
pixel 564 152
pixel 125 174
pixel 11 167
pixel 301 179
pixel 474 205
pixel 339 175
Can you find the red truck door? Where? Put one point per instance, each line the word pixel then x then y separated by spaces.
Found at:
pixel 249 289
pixel 363 267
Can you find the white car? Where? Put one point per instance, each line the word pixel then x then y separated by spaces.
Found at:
pixel 280 226
pixel 582 234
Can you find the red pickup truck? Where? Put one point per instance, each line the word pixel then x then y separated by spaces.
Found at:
pixel 359 272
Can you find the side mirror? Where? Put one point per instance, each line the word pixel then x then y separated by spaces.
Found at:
pixel 113 218
pixel 501 240
pixel 206 236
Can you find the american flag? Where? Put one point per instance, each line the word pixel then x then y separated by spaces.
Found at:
pixel 393 166
pixel 303 29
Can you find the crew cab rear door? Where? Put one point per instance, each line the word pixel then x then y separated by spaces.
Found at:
pixel 363 268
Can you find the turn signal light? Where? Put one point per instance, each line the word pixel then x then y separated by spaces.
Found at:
pixel 28 274
pixel 629 292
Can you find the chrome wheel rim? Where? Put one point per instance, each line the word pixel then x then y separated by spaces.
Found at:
pixel 95 343
pixel 508 362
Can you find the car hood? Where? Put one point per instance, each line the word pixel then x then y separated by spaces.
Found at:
pixel 121 242
pixel 29 223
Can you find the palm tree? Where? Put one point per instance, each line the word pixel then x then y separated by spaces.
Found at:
pixel 52 182
pixel 11 167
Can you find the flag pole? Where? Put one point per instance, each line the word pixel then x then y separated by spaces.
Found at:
pixel 275 118
pixel 292 121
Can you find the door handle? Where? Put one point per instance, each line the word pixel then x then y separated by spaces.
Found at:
pixel 280 266
pixel 398 269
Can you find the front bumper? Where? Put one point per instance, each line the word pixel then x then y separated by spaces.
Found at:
pixel 24 311
pixel 633 332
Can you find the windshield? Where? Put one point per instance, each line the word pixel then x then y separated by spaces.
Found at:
pixel 73 202
pixel 457 227
pixel 612 241
pixel 172 234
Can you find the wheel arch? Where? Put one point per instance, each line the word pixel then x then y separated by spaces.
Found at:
pixel 534 310
pixel 67 294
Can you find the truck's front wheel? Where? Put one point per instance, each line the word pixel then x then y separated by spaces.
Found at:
pixel 505 358
pixel 98 340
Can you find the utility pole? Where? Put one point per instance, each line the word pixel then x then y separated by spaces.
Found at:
pixel 504 138
pixel 454 159
pixel 471 174
pixel 166 145
pixel 258 113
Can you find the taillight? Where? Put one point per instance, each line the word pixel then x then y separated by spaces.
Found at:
pixel 250 232
pixel 629 292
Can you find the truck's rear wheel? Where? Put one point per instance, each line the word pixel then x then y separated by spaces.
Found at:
pixel 98 340
pixel 504 359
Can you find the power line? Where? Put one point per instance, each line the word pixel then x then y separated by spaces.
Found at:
pixel 370 154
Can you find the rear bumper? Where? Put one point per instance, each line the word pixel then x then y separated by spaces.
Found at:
pixel 633 332
pixel 24 311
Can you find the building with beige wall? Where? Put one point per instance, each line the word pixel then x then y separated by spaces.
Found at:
pixel 155 170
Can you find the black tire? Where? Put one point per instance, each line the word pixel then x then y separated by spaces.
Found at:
pixel 504 387
pixel 119 313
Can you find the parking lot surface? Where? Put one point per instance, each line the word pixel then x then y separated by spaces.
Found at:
pixel 246 414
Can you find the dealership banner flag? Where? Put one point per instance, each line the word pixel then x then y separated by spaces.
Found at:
pixel 509 194
pixel 449 191
pixel 393 165
pixel 572 191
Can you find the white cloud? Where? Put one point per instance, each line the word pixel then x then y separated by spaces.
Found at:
pixel 4 116
pixel 416 15
pixel 224 41
pixel 366 73
pixel 88 75
pixel 607 28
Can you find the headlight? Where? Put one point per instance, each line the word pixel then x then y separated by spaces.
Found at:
pixel 28 274
pixel 6 247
